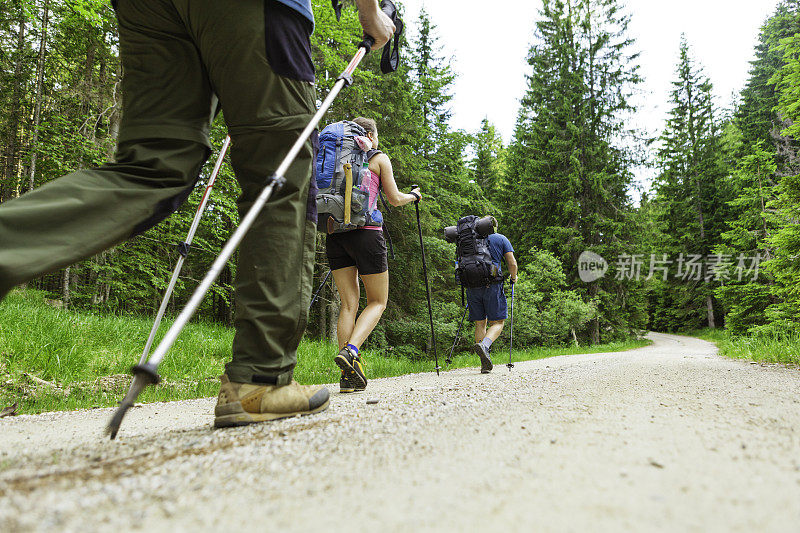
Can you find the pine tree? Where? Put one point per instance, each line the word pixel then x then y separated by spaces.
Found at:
pixel 568 171
pixel 691 192
pixel 434 78
pixel 757 116
pixel 784 314
pixel 746 294
pixel 487 165
pixel 762 156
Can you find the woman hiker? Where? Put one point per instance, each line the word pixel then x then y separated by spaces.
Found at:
pixel 362 252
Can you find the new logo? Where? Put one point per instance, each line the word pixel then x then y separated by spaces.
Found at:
pixel 591 267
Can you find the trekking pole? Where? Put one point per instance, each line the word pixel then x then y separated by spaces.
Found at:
pixel 324 281
pixel 146 373
pixel 449 359
pixel 510 365
pixel 427 286
pixel 183 250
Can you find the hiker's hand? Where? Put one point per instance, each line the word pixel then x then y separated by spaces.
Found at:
pixel 513 279
pixel 375 22
pixel 416 194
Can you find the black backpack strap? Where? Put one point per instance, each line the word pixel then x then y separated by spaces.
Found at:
pixel 372 153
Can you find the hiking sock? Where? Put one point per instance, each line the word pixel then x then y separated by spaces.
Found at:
pixel 355 350
pixel 487 342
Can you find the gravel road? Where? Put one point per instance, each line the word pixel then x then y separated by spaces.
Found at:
pixel 670 437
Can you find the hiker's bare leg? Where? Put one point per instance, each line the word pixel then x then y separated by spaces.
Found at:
pixel 346 280
pixel 495 329
pixel 377 288
pixel 480 330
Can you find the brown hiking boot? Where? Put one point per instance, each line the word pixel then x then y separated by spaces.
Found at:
pixel 240 404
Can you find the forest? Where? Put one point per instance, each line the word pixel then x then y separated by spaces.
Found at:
pixel 713 242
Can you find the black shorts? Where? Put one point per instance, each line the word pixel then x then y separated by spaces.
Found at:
pixel 364 249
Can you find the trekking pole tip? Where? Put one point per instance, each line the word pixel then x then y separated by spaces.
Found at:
pixel 143 375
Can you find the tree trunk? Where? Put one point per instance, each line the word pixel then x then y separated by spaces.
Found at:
pixel 322 325
pixel 595 327
pixel 65 288
pixel 114 117
pixel 88 104
pixel 710 305
pixel 16 100
pixel 37 114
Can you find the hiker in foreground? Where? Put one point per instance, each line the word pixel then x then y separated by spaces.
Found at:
pixel 480 253
pixel 255 60
pixel 347 200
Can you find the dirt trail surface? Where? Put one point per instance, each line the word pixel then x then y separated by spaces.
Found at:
pixel 670 437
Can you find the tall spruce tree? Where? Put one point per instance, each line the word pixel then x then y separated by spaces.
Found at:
pixel 784 313
pixel 568 169
pixel 762 156
pixel 487 165
pixel 691 195
pixel 434 79
pixel 747 291
pixel 757 116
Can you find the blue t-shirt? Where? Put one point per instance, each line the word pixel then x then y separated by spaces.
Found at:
pixel 302 6
pixel 499 246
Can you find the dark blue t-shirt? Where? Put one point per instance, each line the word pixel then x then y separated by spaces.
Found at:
pixel 302 6
pixel 499 246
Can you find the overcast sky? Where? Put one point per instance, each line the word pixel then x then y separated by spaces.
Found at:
pixel 489 44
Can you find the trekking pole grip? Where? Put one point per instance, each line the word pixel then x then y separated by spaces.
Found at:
pixel 413 187
pixel 367 43
pixel 390 11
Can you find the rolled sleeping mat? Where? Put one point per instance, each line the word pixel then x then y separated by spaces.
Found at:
pixel 348 191
pixel 484 226
pixel 451 233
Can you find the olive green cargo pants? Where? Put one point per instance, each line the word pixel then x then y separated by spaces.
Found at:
pixel 178 56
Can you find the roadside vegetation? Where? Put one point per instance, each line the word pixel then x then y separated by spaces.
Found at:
pixel 765 348
pixel 53 359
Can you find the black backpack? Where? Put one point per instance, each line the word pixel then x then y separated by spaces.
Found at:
pixel 474 266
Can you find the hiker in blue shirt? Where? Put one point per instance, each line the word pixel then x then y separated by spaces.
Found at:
pixel 487 305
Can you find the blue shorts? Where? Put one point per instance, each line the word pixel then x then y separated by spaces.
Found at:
pixel 487 302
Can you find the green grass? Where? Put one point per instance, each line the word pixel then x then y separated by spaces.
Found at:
pixel 762 348
pixel 85 358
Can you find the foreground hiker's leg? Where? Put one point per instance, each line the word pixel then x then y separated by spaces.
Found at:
pixel 76 216
pixel 258 60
